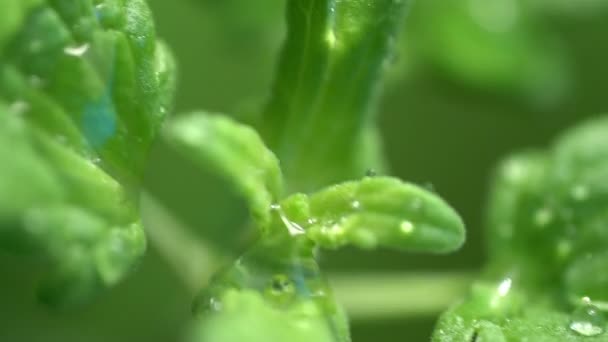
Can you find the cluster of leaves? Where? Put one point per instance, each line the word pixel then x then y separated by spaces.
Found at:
pixel 546 279
pixel 315 123
pixel 84 87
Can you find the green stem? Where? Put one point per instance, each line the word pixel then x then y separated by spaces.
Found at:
pixel 399 295
pixel 365 296
pixel 327 80
pixel 192 258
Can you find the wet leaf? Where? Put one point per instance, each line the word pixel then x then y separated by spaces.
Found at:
pixel 378 212
pixel 545 279
pixel 83 90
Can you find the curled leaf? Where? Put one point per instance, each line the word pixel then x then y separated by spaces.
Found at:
pixel 237 152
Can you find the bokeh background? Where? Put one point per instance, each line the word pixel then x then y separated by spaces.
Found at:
pixel 472 81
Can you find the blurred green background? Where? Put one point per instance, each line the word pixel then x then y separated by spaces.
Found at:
pixel 472 81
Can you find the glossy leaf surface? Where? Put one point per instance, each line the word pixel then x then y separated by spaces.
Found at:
pixel 83 90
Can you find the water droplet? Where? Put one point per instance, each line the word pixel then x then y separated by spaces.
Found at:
pixel 76 51
pixel 543 217
pixel 281 290
pixel 96 160
pixel 207 304
pixel 504 287
pixel 292 279
pixel 292 227
pixel 355 205
pixel 311 221
pixel 587 320
pixel 406 227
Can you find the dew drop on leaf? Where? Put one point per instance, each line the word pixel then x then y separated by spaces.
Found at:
pixel 312 221
pixel 406 227
pixel 587 320
pixel 287 284
pixel 76 51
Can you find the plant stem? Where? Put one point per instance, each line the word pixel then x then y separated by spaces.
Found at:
pixel 398 295
pixel 192 258
pixel 365 296
pixel 328 78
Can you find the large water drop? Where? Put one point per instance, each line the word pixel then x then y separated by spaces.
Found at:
pixel 587 320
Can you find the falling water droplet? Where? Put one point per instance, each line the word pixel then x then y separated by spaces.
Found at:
pixel 356 205
pixel 370 173
pixel 76 51
pixel 587 320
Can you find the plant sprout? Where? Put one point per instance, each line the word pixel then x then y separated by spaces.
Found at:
pixel 86 86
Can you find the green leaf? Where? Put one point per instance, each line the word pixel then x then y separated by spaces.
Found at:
pixel 326 83
pixel 545 280
pixel 237 152
pixel 377 212
pixel 246 316
pixel 83 90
